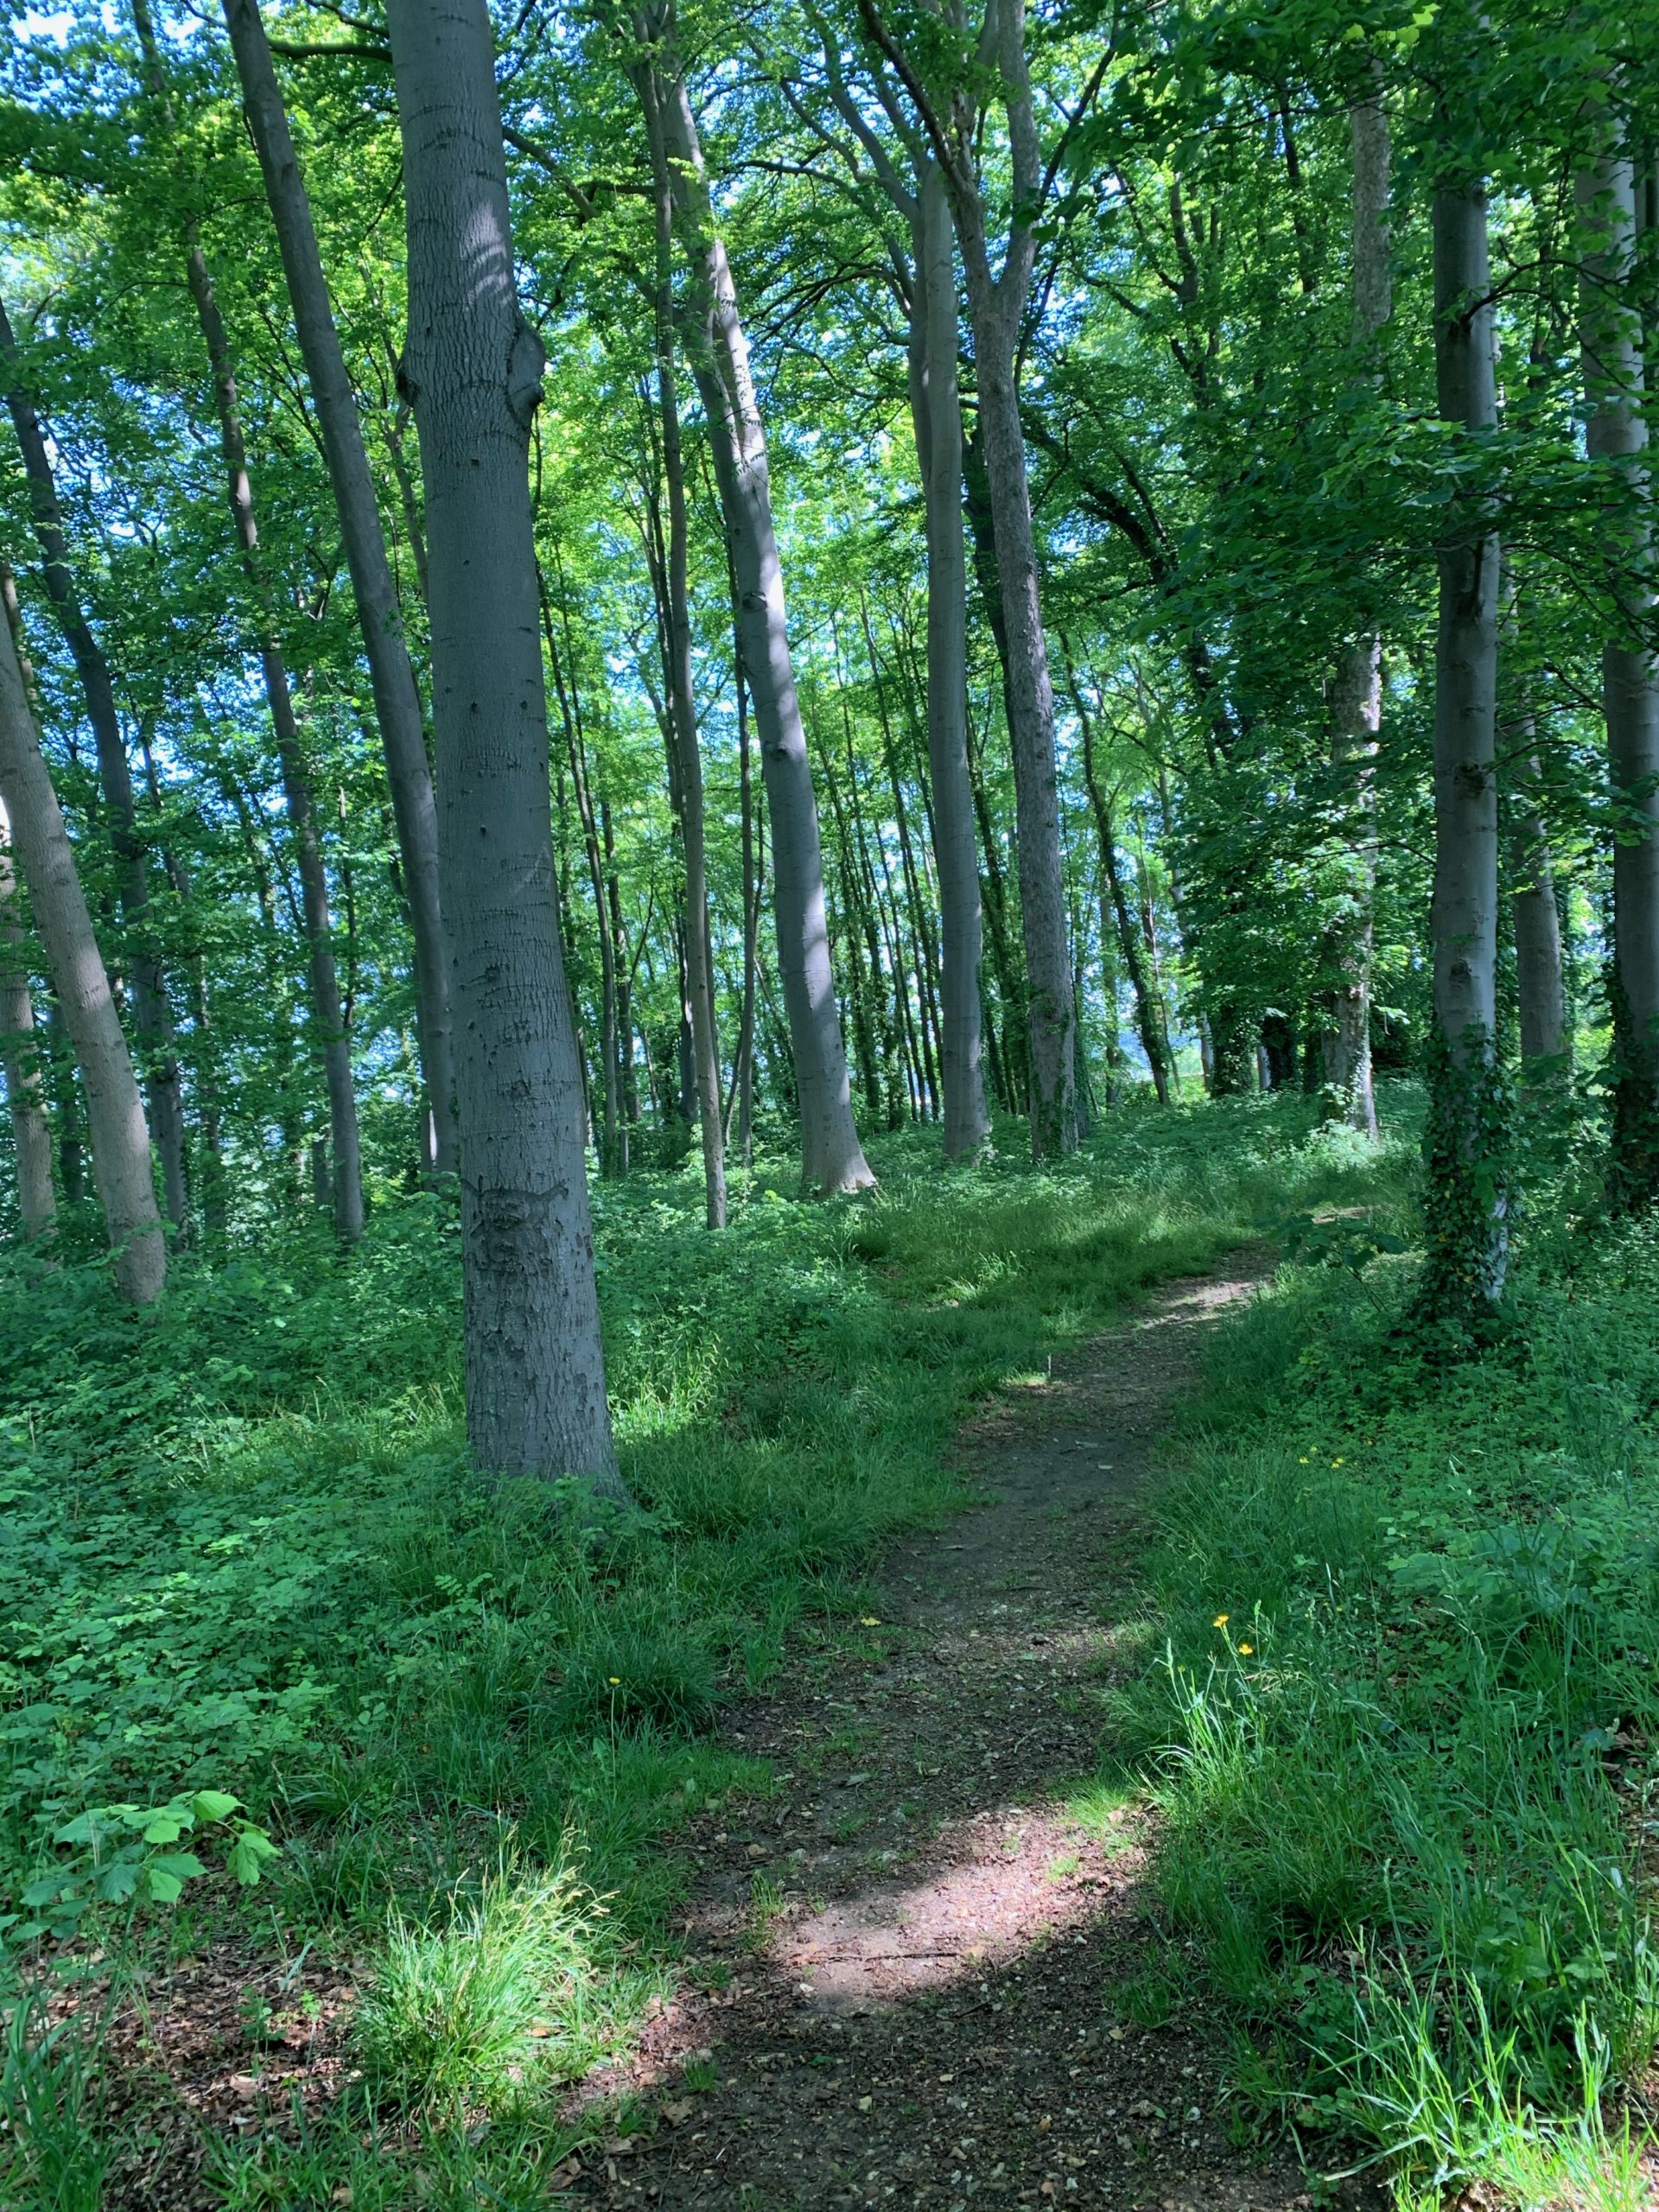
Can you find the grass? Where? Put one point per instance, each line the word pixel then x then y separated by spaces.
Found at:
pixel 242 1551
pixel 1400 1715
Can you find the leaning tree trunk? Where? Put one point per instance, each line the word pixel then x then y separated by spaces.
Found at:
pixel 1467 1197
pixel 396 699
pixel 472 371
pixel 151 1017
pixel 1150 1020
pixel 37 1205
pixel 1616 435
pixel 1540 982
pixel 121 1162
pixel 935 412
pixel 831 1156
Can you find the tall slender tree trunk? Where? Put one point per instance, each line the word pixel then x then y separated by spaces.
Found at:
pixel 121 1161
pixel 1539 971
pixel 151 1016
pixel 1616 435
pixel 935 413
pixel 536 1401
pixel 1467 1201
pixel 678 678
pixel 396 698
pixel 1150 1020
pixel 832 1158
pixel 37 1204
pixel 1356 694
pixel 326 1002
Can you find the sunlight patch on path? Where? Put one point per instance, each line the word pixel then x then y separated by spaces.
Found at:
pixel 1013 1879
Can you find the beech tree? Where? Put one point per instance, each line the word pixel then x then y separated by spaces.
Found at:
pixel 472 371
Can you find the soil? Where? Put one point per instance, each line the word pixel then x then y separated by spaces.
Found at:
pixel 917 1977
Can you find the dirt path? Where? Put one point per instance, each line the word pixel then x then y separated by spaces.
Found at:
pixel 918 1978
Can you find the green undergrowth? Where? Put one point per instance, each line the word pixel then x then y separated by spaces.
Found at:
pixel 242 1553
pixel 1405 1676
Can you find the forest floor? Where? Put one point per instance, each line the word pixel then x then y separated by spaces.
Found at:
pixel 925 1972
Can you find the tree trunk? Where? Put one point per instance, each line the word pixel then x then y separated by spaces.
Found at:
pixel 472 373
pixel 151 1017
pixel 1467 1199
pixel 296 790
pixel 832 1159
pixel 396 698
pixel 121 1162
pixel 1616 436
pixel 679 679
pixel 1356 721
pixel 935 413
pixel 1540 982
pixel 37 1205
pixel 1031 736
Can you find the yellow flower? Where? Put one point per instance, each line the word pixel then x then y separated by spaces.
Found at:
pixel 868 1620
pixel 1302 1462
pixel 1221 1620
pixel 1246 1648
pixel 1338 1463
pixel 615 1680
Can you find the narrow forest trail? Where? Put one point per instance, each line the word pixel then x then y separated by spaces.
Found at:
pixel 912 1971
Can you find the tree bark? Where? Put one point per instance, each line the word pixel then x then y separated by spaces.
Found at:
pixel 397 697
pixel 1468 1202
pixel 151 1016
pixel 935 413
pixel 121 1161
pixel 1540 979
pixel 677 676
pixel 1616 435
pixel 1356 699
pixel 832 1158
pixel 472 374
pixel 37 1204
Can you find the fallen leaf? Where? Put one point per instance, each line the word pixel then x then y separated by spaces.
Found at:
pixel 864 2103
pixel 245 2086
pixel 342 2195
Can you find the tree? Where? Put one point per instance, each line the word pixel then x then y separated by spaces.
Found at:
pixel 1468 1202
pixel 115 1111
pixel 831 1156
pixel 471 372
pixel 151 1015
pixel 997 302
pixel 398 704
pixel 37 1204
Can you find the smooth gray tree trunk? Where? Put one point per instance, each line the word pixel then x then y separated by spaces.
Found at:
pixel 472 371
pixel 678 675
pixel 37 1204
pixel 1464 911
pixel 151 1016
pixel 935 413
pixel 1611 342
pixel 396 698
pixel 1540 989
pixel 115 1111
pixel 1357 697
pixel 831 1156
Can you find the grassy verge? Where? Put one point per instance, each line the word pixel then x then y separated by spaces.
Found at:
pixel 243 1554
pixel 1402 1708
